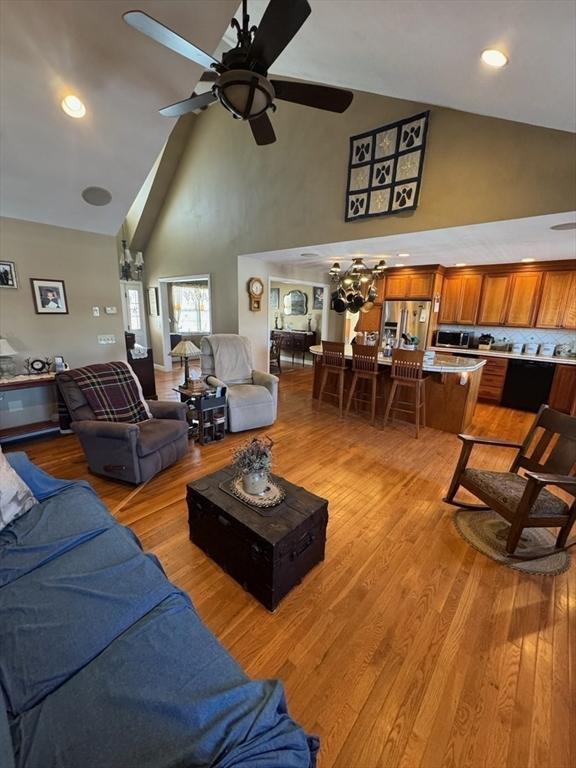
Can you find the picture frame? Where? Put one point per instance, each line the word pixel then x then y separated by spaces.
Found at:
pixel 8 277
pixel 153 302
pixel 317 297
pixel 274 298
pixel 49 296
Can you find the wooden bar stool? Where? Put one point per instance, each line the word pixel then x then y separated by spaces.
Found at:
pixel 364 368
pixel 333 361
pixel 407 373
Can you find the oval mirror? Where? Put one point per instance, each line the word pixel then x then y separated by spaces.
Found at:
pixel 296 303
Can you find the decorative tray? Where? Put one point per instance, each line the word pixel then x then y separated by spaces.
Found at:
pixel 273 495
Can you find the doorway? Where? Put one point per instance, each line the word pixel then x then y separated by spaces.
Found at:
pixel 185 311
pixel 132 296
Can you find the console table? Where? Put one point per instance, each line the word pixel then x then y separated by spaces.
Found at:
pixel 295 341
pixel 45 426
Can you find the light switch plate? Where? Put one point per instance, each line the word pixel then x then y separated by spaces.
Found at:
pixel 107 339
pixel 111 311
pixel 96 311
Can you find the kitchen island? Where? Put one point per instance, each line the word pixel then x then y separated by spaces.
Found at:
pixel 452 385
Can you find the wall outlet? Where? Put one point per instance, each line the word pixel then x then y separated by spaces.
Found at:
pixel 15 405
pixel 111 311
pixel 107 339
pixel 96 311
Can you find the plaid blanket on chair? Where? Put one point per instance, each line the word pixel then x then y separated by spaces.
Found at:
pixel 111 392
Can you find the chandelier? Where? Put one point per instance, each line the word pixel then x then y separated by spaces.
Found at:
pixel 355 289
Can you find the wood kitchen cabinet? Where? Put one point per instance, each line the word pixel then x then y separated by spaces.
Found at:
pixel 410 286
pixel 460 299
pixel 495 289
pixel 493 378
pixel 563 392
pixel 558 303
pixel 510 299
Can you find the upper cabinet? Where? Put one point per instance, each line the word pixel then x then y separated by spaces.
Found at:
pixel 558 304
pixel 510 299
pixel 418 285
pixel 460 299
pixel 495 289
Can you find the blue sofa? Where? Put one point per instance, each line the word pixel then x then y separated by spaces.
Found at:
pixel 106 664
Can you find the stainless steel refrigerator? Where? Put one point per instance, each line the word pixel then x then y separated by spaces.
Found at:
pixel 406 317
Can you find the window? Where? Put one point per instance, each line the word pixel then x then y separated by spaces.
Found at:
pixel 135 322
pixel 191 306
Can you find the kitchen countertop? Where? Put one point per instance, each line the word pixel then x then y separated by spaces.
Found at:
pixel 442 363
pixel 510 355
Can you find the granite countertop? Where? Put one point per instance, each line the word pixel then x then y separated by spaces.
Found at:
pixel 441 364
pixel 510 355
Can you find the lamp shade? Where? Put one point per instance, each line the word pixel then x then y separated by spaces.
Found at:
pixel 185 349
pixel 5 349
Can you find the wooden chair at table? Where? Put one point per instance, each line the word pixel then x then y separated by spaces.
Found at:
pixel 407 374
pixel 364 368
pixel 333 361
pixel 275 351
pixel 547 456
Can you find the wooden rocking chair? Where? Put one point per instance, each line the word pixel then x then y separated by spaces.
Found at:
pixel 548 456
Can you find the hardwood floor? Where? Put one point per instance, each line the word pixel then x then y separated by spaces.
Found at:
pixel 405 647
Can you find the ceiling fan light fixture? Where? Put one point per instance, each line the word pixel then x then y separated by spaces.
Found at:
pixel 244 93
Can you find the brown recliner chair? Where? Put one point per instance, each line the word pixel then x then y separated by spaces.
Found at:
pixel 130 452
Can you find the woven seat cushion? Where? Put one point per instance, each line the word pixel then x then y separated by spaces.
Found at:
pixel 506 488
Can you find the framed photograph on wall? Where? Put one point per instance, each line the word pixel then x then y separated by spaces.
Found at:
pixel 49 296
pixel 318 294
pixel 153 302
pixel 8 275
pixel 274 298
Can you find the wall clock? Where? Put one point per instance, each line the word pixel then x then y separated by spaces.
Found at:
pixel 256 291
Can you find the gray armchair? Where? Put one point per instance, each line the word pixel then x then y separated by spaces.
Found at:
pixel 252 395
pixel 130 452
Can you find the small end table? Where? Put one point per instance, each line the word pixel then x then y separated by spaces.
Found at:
pixel 206 411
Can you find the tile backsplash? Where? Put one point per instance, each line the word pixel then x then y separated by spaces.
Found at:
pixel 520 335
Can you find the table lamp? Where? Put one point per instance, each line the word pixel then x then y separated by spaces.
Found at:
pixel 186 350
pixel 7 365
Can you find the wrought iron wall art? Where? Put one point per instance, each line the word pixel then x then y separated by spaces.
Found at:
pixel 385 168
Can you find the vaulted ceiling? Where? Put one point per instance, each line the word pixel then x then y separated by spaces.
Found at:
pixel 422 50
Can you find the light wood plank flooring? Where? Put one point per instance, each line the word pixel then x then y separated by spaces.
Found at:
pixel 405 647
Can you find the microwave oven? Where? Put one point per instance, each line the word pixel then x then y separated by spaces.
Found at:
pixel 459 339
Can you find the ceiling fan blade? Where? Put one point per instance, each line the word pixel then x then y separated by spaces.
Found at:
pixel 281 21
pixel 188 105
pixel 262 130
pixel 161 34
pixel 209 77
pixel 319 96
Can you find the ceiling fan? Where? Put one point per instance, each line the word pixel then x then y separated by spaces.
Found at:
pixel 240 80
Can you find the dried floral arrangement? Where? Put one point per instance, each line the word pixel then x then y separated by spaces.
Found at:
pixel 254 456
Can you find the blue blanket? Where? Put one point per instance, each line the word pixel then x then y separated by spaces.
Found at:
pixel 103 662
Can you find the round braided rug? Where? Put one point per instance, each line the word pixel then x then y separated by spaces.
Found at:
pixel 487 532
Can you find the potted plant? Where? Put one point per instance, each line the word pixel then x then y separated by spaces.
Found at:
pixel 253 461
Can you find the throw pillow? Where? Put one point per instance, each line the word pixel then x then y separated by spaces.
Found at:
pixel 15 496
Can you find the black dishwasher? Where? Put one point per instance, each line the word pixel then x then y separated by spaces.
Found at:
pixel 527 384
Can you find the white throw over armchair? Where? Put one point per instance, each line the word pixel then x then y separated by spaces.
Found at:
pixel 252 395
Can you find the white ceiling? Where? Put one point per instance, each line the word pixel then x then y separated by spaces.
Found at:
pixel 429 51
pixel 493 243
pixel 51 48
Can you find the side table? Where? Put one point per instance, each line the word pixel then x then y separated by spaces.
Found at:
pixel 206 411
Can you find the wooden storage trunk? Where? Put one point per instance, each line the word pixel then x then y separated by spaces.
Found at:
pixel 267 555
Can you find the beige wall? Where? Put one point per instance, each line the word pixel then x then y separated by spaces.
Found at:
pixel 296 322
pixel 88 264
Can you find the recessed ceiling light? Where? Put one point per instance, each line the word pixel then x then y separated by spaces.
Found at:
pixel 527 260
pixel 563 227
pixel 73 106
pixel 460 264
pixel 494 58
pixel 403 255
pixel 400 265
pixel 96 196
